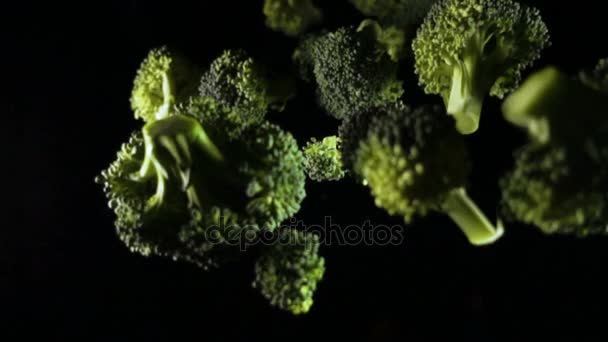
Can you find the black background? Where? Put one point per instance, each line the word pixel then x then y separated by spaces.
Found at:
pixel 69 275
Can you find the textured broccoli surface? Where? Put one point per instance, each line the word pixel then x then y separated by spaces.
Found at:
pixel 165 78
pixel 236 81
pixel 288 272
pixel 292 17
pixel 414 161
pixel 559 189
pixel 322 160
pixel 466 49
pixel 351 68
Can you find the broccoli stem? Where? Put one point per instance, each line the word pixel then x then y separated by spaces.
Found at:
pixel 473 223
pixel 465 99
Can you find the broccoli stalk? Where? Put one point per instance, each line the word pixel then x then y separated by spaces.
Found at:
pixel 469 218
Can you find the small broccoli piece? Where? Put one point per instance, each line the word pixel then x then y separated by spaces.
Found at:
pixel 401 13
pixel 351 69
pixel 560 189
pixel 466 49
pixel 292 17
pixel 164 79
pixel 556 109
pixel 238 82
pixel 414 162
pixel 322 160
pixel 598 78
pixel 288 272
pixel 175 184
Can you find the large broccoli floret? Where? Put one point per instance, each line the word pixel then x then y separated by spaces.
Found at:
pixel 466 49
pixel 556 109
pixel 164 79
pixel 180 190
pixel 414 161
pixel 292 17
pixel 289 270
pixel 236 81
pixel 322 160
pixel 559 189
pixel 351 68
pixel 598 77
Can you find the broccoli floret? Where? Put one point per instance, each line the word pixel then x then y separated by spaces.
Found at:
pixel 598 78
pixel 401 13
pixel 181 190
pixel 556 109
pixel 466 49
pixel 351 68
pixel 322 160
pixel 559 189
pixel 292 17
pixel 414 162
pixel 288 272
pixel 236 81
pixel 164 79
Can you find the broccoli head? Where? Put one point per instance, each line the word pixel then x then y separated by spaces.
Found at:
pixel 238 82
pixel 292 17
pixel 182 190
pixel 556 109
pixel 164 79
pixel 559 189
pixel 414 162
pixel 351 68
pixel 598 77
pixel 322 159
pixel 288 271
pixel 466 49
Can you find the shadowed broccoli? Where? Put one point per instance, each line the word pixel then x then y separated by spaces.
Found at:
pixel 292 17
pixel 351 68
pixel 414 162
pixel 466 49
pixel 400 13
pixel 322 160
pixel 598 77
pixel 236 81
pixel 288 272
pixel 559 189
pixel 560 179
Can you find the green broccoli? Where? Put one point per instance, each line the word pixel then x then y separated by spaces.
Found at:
pixel 560 179
pixel 288 272
pixel 165 78
pixel 236 81
pixel 466 49
pixel 598 78
pixel 322 160
pixel 292 17
pixel 184 186
pixel 555 108
pixel 351 68
pixel 560 189
pixel 414 162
